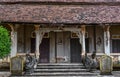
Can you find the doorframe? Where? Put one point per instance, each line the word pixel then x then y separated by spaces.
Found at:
pixel 80 55
pixel 79 31
pixel 55 47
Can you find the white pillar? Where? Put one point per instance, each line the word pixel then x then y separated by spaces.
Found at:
pixel 14 40
pixel 107 40
pixel 81 35
pixel 37 44
pixel 39 36
pixel 83 40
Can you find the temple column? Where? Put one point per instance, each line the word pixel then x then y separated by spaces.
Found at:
pixel 39 36
pixel 83 40
pixel 13 40
pixel 37 41
pixel 81 35
pixel 107 40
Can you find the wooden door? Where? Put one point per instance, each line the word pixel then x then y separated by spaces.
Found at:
pixel 75 50
pixel 33 42
pixel 115 45
pixel 87 45
pixel 44 50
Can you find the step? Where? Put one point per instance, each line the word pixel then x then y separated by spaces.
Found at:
pixel 60 64
pixel 84 74
pixel 55 76
pixel 60 70
pixel 65 74
pixel 56 67
pixel 60 67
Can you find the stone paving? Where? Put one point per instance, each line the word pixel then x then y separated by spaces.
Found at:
pixel 4 73
pixel 115 74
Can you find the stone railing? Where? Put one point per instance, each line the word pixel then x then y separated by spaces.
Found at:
pixel 115 58
pixel 6 59
pixel 23 55
pixel 5 63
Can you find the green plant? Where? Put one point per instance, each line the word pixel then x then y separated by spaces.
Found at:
pixel 5 42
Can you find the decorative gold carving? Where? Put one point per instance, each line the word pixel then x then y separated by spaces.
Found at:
pixel 106 28
pixel 14 27
pixel 37 27
pixel 74 35
pixel 33 34
pixel 83 30
pixel 46 35
pixel 11 26
pixel 115 36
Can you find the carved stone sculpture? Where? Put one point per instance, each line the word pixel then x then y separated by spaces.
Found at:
pixel 106 65
pixel 90 62
pixel 29 64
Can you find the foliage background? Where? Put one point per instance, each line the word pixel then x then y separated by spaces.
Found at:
pixel 5 42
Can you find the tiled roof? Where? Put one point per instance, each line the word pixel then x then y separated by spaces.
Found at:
pixel 60 13
pixel 59 0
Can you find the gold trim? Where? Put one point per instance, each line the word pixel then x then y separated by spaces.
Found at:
pixel 46 35
pixel 33 34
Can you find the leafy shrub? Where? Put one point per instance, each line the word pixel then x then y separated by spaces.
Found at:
pixel 5 42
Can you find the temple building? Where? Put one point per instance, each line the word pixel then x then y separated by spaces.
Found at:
pixel 62 31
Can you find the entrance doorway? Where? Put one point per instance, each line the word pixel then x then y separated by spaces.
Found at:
pixel 62 47
pixel 44 50
pixel 75 48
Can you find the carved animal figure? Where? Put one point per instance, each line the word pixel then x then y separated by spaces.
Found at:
pixel 29 64
pixel 90 62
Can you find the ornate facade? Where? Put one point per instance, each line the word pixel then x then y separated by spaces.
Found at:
pixel 62 30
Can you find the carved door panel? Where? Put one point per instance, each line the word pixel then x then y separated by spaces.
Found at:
pixel 44 50
pixel 62 47
pixel 75 50
pixel 59 44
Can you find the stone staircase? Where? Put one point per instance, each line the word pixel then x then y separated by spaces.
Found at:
pixel 61 70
